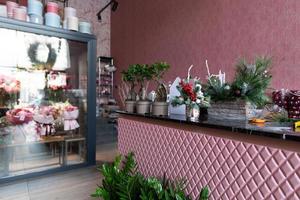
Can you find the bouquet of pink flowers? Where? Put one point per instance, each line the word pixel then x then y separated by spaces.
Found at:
pixel 45 119
pixel 9 87
pixel 19 116
pixel 71 113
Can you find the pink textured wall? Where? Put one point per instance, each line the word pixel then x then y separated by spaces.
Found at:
pixel 188 32
pixel 86 11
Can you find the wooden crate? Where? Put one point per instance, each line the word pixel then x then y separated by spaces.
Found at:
pixel 231 110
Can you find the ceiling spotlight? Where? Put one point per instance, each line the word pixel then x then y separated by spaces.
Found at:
pixel 114 7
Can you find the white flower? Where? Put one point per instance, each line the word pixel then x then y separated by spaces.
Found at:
pixel 199 94
pixel 42 53
pixel 180 99
pixel 198 101
pixel 227 87
pixel 198 86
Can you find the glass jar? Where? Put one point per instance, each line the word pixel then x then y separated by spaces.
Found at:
pixel 192 112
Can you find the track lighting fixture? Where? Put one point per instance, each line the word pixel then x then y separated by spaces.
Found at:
pixel 114 7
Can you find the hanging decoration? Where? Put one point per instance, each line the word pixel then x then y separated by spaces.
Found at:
pixel 42 56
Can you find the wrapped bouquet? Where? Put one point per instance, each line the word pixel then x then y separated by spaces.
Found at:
pixel 70 115
pixel 44 119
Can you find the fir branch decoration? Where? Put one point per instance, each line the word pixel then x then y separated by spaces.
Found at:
pixel 250 83
pixel 217 91
pixel 252 80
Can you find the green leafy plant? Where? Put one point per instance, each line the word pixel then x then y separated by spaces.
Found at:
pixel 144 73
pixel 122 181
pixel 159 68
pixel 129 76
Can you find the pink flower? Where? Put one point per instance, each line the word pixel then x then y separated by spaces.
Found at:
pixel 70 108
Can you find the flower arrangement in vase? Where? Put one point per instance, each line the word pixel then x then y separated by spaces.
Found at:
pixel 160 104
pixel 192 96
pixel 56 86
pixel 9 89
pixel 129 77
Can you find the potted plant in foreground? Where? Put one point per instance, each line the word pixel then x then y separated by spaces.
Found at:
pixel 240 99
pixel 160 104
pixel 122 180
pixel 129 77
pixel 144 74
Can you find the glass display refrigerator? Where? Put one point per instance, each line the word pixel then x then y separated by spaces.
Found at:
pixel 47 99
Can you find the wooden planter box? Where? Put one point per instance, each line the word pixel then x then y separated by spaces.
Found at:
pixel 231 110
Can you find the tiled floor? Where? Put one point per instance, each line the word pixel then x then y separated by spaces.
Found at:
pixel 74 185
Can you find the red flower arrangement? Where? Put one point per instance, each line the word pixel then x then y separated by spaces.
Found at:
pixel 190 94
pixel 187 88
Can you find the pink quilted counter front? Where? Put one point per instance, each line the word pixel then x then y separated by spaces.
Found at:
pixel 232 169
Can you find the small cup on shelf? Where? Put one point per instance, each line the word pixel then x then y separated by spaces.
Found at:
pixel 10 5
pixel 35 7
pixel 72 23
pixel 36 19
pixel 3 11
pixel 85 27
pixel 69 12
pixel 52 19
pixel 20 14
pixel 52 7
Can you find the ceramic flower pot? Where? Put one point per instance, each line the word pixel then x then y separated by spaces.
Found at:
pixel 192 112
pixel 160 108
pixel 143 107
pixel 130 106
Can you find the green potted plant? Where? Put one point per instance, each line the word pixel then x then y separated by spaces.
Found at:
pixel 239 99
pixel 160 104
pixel 144 74
pixel 122 180
pixel 129 77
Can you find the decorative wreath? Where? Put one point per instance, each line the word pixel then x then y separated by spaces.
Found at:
pixel 42 56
